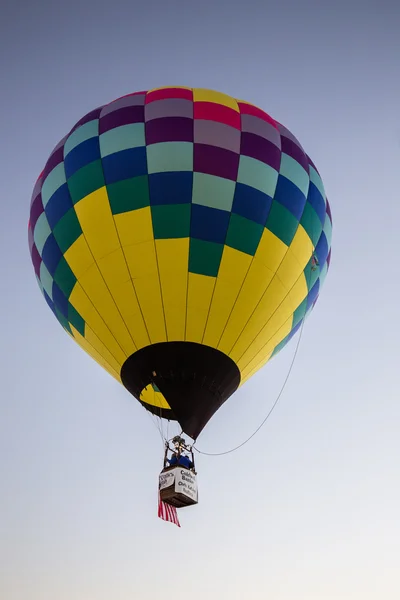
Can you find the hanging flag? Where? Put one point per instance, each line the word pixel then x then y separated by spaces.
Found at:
pixel 167 512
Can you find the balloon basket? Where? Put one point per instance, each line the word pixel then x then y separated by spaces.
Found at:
pixel 178 486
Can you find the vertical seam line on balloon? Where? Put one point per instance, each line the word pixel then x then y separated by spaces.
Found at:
pixel 118 377
pixel 223 245
pixel 283 299
pixel 252 258
pixel 275 275
pixel 77 279
pixel 116 231
pixel 245 278
pixel 154 239
pixel 125 259
pixel 280 303
pixel 190 228
pixel 95 262
pixel 269 319
pixel 305 298
pixel 120 245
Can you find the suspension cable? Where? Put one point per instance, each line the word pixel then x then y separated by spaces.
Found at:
pixel 271 409
pixel 312 258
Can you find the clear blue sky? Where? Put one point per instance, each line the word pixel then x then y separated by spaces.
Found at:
pixel 309 509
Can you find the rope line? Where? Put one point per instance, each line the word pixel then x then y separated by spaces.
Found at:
pixel 269 412
pixel 287 375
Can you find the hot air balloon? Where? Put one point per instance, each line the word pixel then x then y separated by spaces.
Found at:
pixel 180 237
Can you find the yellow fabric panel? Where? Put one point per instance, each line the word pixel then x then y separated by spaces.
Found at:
pixel 250 371
pixel 134 226
pixel 115 272
pixel 273 296
pixel 79 257
pixel 276 328
pixel 281 297
pixel 256 282
pixel 232 271
pixel 200 291
pixel 302 247
pixel 280 320
pixel 111 367
pixel 128 305
pixel 271 250
pixel 296 258
pixel 153 398
pixel 97 291
pixel 298 292
pixel 80 300
pixel 149 295
pixel 173 260
pixel 97 222
pixel 294 298
pixel 247 366
pixel 204 95
pixel 141 259
pixel 289 270
pixel 135 229
pixel 114 269
pixel 142 263
pixel 100 348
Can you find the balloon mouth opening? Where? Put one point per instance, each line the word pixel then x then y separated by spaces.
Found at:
pixel 194 380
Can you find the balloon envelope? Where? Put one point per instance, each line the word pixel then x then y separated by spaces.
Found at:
pixel 180 237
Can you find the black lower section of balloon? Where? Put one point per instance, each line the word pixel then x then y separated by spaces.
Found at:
pixel 194 379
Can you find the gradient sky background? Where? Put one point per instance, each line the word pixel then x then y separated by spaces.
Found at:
pixel 309 509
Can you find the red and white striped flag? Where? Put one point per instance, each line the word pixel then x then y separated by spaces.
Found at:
pixel 167 512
